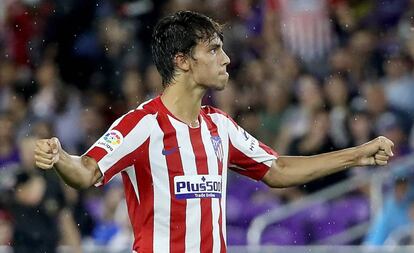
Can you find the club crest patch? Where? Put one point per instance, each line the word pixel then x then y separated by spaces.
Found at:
pixel 218 147
pixel 110 141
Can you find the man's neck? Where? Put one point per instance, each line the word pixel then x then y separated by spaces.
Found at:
pixel 183 101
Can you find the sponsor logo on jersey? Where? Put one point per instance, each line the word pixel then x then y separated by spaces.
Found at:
pixel 246 135
pixel 197 186
pixel 110 141
pixel 218 147
pixel 253 142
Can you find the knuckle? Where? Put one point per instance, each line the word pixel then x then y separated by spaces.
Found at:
pixel 381 138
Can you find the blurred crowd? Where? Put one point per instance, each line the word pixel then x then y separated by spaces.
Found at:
pixel 306 76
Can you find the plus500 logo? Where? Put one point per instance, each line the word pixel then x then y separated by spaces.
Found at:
pixel 197 186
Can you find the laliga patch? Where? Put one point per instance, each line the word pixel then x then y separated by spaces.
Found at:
pixel 197 186
pixel 110 141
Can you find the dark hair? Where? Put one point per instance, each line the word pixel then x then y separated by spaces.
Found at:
pixel 180 33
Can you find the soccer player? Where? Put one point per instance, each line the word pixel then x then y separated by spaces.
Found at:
pixel 173 153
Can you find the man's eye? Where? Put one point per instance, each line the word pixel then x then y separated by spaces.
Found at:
pixel 213 51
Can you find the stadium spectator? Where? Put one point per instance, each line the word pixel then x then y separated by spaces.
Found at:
pixel 394 213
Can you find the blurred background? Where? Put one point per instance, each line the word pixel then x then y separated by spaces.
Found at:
pixel 306 76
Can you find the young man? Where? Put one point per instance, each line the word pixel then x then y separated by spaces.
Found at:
pixel 173 153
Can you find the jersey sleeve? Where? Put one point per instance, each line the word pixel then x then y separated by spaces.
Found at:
pixel 247 155
pixel 118 148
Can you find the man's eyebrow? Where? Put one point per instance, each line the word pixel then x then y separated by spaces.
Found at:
pixel 214 46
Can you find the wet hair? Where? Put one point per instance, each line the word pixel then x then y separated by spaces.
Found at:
pixel 180 33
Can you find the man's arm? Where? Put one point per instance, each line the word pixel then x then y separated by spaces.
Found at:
pixel 76 171
pixel 289 171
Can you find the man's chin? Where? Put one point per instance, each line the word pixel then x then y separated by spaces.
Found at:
pixel 218 85
pixel 221 85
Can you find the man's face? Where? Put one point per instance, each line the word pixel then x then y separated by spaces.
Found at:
pixel 208 64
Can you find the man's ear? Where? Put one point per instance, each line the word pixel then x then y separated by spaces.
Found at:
pixel 182 62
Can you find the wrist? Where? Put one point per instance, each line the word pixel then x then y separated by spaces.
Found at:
pixel 357 155
pixel 59 158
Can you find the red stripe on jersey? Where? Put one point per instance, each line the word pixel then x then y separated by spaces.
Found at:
pixel 97 153
pixel 175 168
pixel 146 205
pixel 133 206
pixel 212 128
pixel 206 244
pixel 250 167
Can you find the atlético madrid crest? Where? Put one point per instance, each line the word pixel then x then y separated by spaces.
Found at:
pixel 218 147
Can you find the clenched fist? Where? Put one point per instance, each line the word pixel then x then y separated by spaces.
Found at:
pixel 47 152
pixel 375 152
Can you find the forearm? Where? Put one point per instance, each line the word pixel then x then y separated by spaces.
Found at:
pixel 78 172
pixel 289 171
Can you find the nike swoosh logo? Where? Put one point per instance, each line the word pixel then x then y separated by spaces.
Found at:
pixel 169 151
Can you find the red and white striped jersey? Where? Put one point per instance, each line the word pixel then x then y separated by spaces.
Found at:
pixel 175 176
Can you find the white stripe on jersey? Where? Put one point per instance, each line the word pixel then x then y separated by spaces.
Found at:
pixel 135 137
pixel 133 178
pixel 212 164
pixel 222 131
pixel 193 210
pixel 159 171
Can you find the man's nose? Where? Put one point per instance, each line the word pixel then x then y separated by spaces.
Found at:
pixel 226 60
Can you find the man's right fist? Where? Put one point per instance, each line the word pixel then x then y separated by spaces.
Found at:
pixel 47 152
